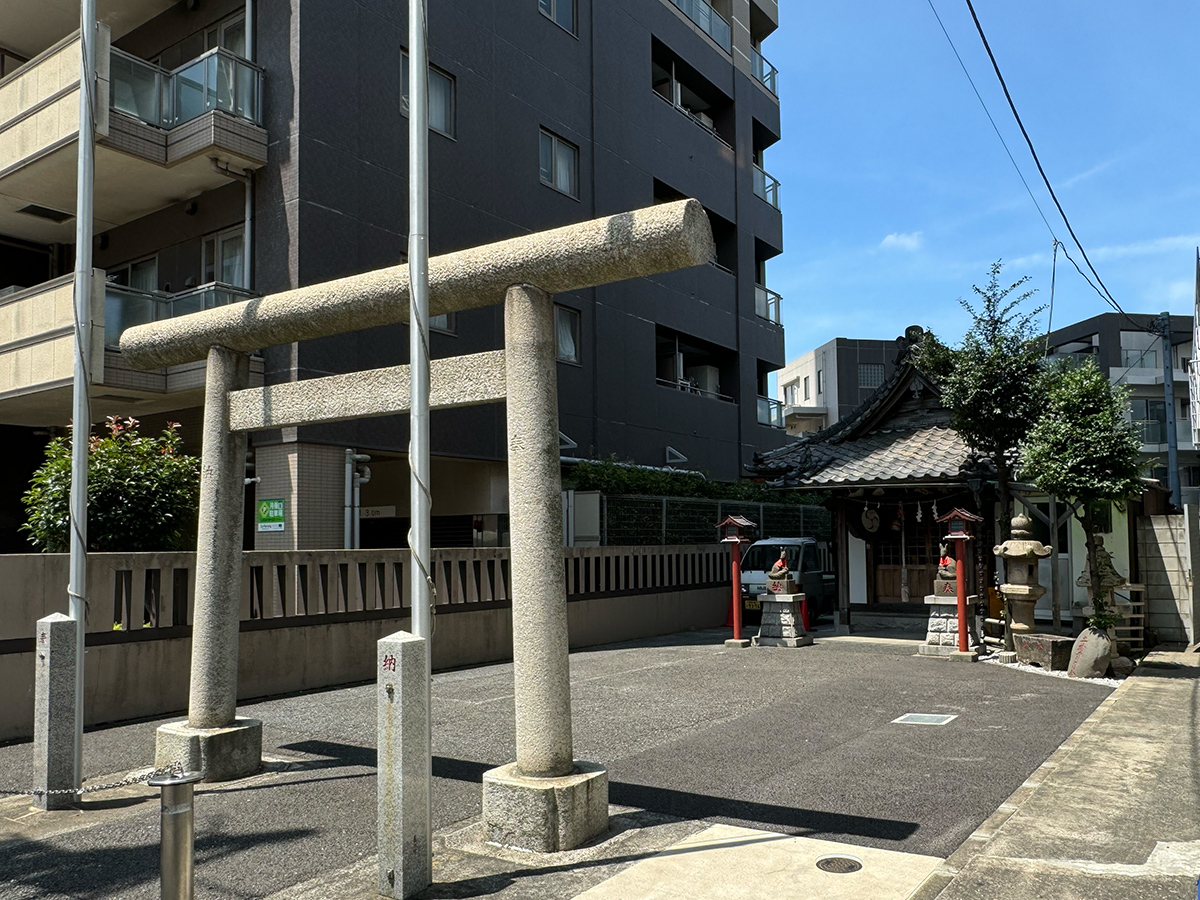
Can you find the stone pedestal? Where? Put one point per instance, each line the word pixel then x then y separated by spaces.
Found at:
pixel 941 635
pixel 1050 651
pixel 545 815
pixel 781 625
pixel 54 711
pixel 222 754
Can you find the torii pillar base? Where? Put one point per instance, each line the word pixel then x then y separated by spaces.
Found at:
pixel 545 815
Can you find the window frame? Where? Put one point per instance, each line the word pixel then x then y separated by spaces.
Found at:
pixel 552 15
pixel 557 139
pixel 806 393
pixel 577 317
pixel 433 70
pixel 820 382
pixel 451 326
pixel 112 272
pixel 217 237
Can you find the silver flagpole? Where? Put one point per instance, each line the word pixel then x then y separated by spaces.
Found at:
pixel 418 343
pixel 81 415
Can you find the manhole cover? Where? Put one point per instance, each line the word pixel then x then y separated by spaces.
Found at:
pixel 839 865
pixel 923 719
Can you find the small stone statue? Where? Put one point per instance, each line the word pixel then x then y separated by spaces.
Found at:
pixel 947 567
pixel 780 569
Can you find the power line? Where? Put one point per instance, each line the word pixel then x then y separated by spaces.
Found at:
pixel 1105 293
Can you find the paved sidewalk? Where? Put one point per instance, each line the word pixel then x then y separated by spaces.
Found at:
pixel 1113 814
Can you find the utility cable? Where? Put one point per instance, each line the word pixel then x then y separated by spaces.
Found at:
pixel 1104 293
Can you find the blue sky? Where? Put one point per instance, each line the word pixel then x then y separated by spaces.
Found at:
pixel 897 194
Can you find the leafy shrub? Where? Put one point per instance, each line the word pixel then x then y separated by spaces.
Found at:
pixel 143 492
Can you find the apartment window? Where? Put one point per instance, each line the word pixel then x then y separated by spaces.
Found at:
pixel 228 34
pixel 141 275
pixel 806 387
pixel 1139 359
pixel 444 323
pixel 441 97
pixel 224 258
pixel 566 333
pixel 820 381
pixel 789 395
pixel 1150 419
pixel 870 375
pixel 560 11
pixel 559 164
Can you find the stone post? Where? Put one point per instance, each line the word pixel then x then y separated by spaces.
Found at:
pixel 546 801
pixel 54 710
pixel 405 866
pixel 214 740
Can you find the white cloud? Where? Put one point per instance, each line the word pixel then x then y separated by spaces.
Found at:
pixel 1175 244
pixel 1083 176
pixel 911 241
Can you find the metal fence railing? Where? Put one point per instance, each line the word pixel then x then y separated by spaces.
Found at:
pixel 632 520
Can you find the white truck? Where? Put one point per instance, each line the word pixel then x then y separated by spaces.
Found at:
pixel 809 562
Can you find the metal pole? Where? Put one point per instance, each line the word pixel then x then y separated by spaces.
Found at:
pixel 178 852
pixel 418 352
pixel 81 411
pixel 1169 397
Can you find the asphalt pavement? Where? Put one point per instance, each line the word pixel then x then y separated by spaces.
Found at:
pixel 791 741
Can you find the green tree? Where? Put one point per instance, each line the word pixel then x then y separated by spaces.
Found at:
pixel 992 381
pixel 1085 451
pixel 143 492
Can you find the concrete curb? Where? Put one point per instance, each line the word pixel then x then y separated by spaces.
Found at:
pixel 941 877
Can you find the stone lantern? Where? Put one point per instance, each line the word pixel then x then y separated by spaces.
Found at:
pixel 1022 592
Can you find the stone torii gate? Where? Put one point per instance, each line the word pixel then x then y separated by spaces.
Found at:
pixel 524 273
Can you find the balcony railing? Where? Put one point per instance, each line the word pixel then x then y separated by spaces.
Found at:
pixel 1151 431
pixel 770 412
pixel 766 73
pixel 766 187
pixel 709 20
pixel 689 386
pixel 125 307
pixel 216 80
pixel 702 119
pixel 766 303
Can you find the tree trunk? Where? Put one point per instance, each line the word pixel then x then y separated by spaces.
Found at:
pixel 1099 601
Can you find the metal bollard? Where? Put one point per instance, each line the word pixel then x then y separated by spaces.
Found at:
pixel 178 834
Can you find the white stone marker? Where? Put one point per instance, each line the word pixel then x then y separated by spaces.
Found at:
pixel 214 740
pixel 54 710
pixel 405 866
pixel 546 801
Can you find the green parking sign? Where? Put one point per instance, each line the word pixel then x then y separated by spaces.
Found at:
pixel 269 514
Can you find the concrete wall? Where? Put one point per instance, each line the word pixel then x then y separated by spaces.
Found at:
pixel 137 678
pixel 1164 558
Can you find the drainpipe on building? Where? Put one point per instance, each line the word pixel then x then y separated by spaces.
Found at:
pixel 1164 324
pixel 362 474
pixel 247 180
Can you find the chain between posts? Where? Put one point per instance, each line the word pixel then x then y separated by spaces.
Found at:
pixel 175 768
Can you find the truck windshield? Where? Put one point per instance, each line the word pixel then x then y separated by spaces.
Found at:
pixel 761 557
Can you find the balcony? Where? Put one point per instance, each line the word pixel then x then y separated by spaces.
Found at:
pixel 770 412
pixel 218 80
pixel 766 187
pixel 766 304
pixel 125 307
pixel 708 20
pixel 766 74
pixel 37 351
pixel 155 134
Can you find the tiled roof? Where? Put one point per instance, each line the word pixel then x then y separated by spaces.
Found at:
pixel 926 454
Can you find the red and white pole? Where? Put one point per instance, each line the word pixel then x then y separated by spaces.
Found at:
pixel 961 584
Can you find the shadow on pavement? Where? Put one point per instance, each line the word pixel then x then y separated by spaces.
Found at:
pixel 48 868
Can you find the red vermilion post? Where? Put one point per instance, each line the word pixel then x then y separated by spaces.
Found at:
pixel 961 584
pixel 735 554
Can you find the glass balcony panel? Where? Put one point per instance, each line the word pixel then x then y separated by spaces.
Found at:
pixel 191 93
pixel 770 412
pixel 708 19
pixel 766 303
pixel 136 87
pixel 126 307
pixel 766 187
pixel 766 73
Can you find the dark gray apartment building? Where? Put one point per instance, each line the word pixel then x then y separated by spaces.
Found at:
pixel 249 146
